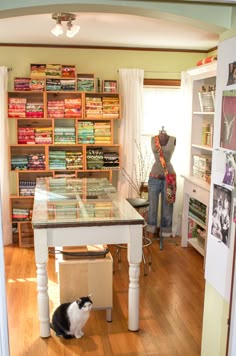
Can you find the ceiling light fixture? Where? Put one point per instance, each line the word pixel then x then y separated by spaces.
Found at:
pixel 72 29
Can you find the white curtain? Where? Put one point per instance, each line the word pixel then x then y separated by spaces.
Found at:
pixel 4 338
pixel 4 158
pixel 131 90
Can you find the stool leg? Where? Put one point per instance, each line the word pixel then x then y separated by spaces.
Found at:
pixel 109 314
pixel 161 243
pixel 144 264
pixel 149 257
pixel 118 254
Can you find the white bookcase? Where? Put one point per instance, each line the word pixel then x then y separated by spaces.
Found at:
pixel 196 191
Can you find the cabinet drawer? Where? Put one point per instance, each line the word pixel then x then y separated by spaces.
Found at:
pixel 196 192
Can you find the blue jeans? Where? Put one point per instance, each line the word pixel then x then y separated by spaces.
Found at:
pixel 155 188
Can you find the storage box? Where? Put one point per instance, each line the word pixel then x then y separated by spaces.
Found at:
pixel 84 276
pixel 202 162
pixel 202 174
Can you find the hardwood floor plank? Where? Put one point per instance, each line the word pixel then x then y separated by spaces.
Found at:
pixel 171 308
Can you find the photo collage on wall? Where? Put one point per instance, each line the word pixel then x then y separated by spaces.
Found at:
pixel 221 215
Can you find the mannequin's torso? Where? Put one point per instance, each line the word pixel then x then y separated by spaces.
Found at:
pixel 168 146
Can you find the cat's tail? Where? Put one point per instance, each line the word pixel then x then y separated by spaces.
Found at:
pixel 60 333
pixel 57 331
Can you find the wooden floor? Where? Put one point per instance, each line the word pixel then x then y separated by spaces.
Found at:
pixel 170 313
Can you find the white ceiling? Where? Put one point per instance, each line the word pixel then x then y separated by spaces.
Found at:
pixel 106 29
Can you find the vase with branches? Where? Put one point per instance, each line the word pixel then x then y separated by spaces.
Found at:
pixel 141 169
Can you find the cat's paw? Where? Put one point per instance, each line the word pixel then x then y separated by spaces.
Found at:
pixel 79 334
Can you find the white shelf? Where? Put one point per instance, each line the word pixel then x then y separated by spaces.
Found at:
pixel 197 221
pixel 202 147
pixel 204 113
pixel 194 242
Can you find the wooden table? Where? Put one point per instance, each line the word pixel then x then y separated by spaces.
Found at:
pixel 77 212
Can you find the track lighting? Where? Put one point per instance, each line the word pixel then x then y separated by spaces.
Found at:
pixel 72 29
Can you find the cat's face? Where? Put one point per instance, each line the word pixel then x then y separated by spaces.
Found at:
pixel 85 303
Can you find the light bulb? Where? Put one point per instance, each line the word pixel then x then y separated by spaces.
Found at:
pixel 72 30
pixel 57 30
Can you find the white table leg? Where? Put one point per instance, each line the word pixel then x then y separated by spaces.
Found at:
pixel 134 272
pixel 43 299
pixel 134 258
pixel 41 257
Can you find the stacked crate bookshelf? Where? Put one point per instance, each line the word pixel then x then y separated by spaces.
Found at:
pixel 60 140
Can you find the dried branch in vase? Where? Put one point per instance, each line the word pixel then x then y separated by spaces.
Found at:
pixel 141 170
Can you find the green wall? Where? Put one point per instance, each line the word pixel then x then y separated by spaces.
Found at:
pixel 214 332
pixel 103 63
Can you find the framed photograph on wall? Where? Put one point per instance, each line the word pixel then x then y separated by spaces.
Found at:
pixel 228 120
pixel 230 169
pixel 221 215
pixel 232 74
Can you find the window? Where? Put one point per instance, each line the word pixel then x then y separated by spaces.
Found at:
pixel 162 107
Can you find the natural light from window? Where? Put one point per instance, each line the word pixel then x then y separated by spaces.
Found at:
pixel 163 107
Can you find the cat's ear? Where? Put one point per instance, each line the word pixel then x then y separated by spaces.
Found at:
pixel 89 295
pixel 78 301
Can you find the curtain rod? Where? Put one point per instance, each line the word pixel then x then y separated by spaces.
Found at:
pixel 157 71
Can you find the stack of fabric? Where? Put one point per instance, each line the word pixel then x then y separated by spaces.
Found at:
pixel 68 71
pixel 37 84
pixel 85 84
pixel 53 84
pixel 36 162
pixel 73 108
pixel 34 109
pixel 111 160
pixel 17 107
pixel 74 160
pixel 57 160
pixel 27 188
pixel 68 84
pixel 95 158
pixel 19 162
pixel 53 70
pixel 86 132
pixel 26 135
pixel 102 132
pixel 20 214
pixel 110 107
pixel 22 84
pixel 43 135
pixel 56 108
pixel 93 107
pixel 64 135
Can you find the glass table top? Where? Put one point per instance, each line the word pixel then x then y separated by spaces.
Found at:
pixel 85 201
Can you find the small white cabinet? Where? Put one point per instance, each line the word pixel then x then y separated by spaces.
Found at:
pixel 195 194
pixel 196 191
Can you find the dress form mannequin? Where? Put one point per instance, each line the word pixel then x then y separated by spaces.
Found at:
pixel 163 137
pixel 157 186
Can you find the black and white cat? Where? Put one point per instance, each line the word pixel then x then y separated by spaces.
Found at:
pixel 69 319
